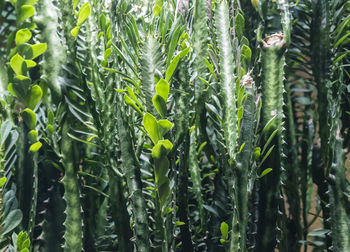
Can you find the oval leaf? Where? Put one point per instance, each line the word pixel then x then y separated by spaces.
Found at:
pixel 26 11
pixel 18 64
pixel 38 49
pixel 23 36
pixel 29 118
pixel 84 13
pixel 35 147
pixel 151 126
pixel 34 96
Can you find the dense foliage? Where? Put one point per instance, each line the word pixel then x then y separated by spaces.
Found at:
pixel 174 125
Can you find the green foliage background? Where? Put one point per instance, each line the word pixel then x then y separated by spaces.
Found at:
pixel 174 125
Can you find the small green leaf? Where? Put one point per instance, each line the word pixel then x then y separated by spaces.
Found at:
pixel 224 230
pixel 30 63
pixel 180 223
pixel 161 149
pixel 38 49
pixel 133 96
pixel 157 7
pixel 266 171
pixel 20 86
pixel 5 131
pixel 173 64
pixel 29 118
pixel 163 127
pixel 35 147
pixel 164 191
pixel 34 96
pixel 246 53
pixel 130 102
pixel 239 25
pixel 23 36
pixel 12 220
pixel 26 11
pixel 201 147
pixel 3 181
pixel 257 153
pixel 240 113
pixel 84 13
pixel 25 50
pixel 107 53
pixel 75 31
pixel 222 241
pixel 75 4
pixel 33 136
pixel 18 64
pixel 151 126
pixel 162 89
pixel 160 105
pixel 241 148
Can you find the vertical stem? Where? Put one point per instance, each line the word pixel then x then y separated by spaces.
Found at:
pixel 73 224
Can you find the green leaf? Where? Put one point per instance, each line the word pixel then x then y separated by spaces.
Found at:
pixel 246 53
pixel 239 25
pixel 38 49
pixel 75 31
pixel 5 131
pixel 30 63
pixel 163 127
pixel 29 118
pixel 162 89
pixel 84 13
pixel 266 171
pixel 164 191
pixel 179 223
pixel 33 136
pixel 26 11
pixel 151 126
pixel 257 153
pixel 161 149
pixel 222 241
pixel 173 64
pixel 266 155
pixel 157 7
pixel 34 96
pixel 3 181
pixel 75 4
pixel 25 50
pixel 224 230
pixel 18 64
pixel 12 220
pixel 133 96
pixel 160 105
pixel 107 53
pixel 130 102
pixel 35 147
pixel 23 36
pixel 20 86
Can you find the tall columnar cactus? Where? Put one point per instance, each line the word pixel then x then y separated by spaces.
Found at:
pixel 169 125
pixel 272 116
pixel 73 224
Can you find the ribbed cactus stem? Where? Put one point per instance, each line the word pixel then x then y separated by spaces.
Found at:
pixel 73 235
pixel 133 180
pixel 272 73
pixel 340 222
pixel 244 158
